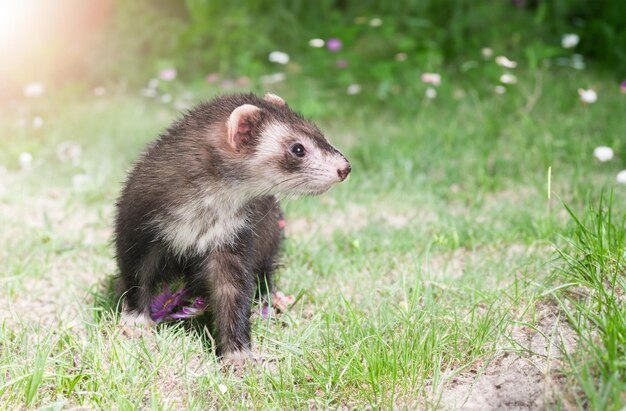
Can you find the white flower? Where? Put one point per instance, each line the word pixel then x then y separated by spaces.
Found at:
pixel 487 53
pixel 273 78
pixel 99 91
pixel 401 57
pixel 34 89
pixel 621 177
pixel 26 160
pixel 569 41
pixel 431 78
pixel 431 93
pixel 588 96
pixel 37 122
pixel 376 22
pixel 279 57
pixel 223 389
pixel 603 153
pixel 353 89
pixel 508 79
pixel 500 89
pixel 505 62
pixel 317 43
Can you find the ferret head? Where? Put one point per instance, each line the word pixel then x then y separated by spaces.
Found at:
pixel 280 152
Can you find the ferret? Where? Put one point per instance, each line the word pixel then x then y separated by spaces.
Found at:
pixel 202 205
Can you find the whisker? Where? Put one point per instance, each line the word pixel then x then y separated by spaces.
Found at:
pixel 269 190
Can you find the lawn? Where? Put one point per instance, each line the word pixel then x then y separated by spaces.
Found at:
pixel 446 273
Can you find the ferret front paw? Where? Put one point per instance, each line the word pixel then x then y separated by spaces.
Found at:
pixel 134 324
pixel 239 361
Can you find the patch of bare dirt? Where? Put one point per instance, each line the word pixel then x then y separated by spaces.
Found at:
pixel 356 217
pixel 56 279
pixel 353 218
pixel 525 377
pixel 448 265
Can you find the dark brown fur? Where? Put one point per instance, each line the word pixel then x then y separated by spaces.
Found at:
pixel 175 171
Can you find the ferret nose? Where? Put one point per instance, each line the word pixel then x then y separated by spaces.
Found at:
pixel 343 172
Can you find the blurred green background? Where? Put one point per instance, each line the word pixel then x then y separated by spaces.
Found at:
pixel 217 46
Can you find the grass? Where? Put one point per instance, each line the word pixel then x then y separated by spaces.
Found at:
pixel 431 267
pixel 594 304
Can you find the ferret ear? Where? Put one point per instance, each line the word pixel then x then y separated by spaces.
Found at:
pixel 274 99
pixel 240 124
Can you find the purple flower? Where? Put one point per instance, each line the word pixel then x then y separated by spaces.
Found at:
pixel 431 78
pixel 167 74
pixel 622 87
pixel 341 63
pixel 196 308
pixel 333 45
pixel 265 311
pixel 212 78
pixel 164 304
pixel 170 306
pixel 243 81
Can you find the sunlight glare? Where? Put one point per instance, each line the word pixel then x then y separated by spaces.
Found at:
pixel 13 14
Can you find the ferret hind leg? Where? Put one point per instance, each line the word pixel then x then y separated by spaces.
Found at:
pixel 139 287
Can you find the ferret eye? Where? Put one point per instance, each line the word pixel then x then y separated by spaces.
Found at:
pixel 298 150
